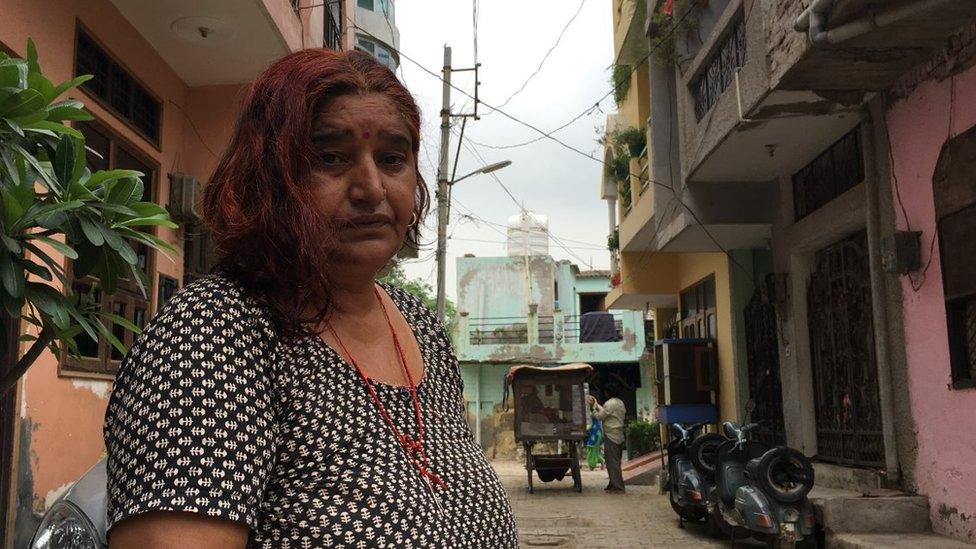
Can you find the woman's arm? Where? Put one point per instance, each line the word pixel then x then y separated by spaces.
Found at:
pixel 169 530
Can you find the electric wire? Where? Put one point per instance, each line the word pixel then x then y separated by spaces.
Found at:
pixel 544 57
pixel 544 134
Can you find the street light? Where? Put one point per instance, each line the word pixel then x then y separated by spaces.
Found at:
pixel 443 205
pixel 486 169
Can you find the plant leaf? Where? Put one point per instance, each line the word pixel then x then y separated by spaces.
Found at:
pixel 116 319
pixel 53 127
pixel 21 104
pixel 60 247
pixel 13 73
pixel 119 244
pixel 12 276
pixel 68 110
pixel 102 177
pixel 92 230
pixel 64 161
pixel 73 83
pixel 38 270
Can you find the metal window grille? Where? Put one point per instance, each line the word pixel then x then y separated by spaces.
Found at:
pixel 720 70
pixel 829 175
pixel 332 27
pixel 118 89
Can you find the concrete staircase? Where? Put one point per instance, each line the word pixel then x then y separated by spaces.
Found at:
pixel 856 515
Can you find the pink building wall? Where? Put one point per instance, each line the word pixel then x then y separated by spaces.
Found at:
pixel 918 127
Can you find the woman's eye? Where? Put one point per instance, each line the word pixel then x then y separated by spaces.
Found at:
pixel 330 159
pixel 394 160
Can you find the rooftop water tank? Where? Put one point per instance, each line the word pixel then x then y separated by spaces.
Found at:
pixel 528 234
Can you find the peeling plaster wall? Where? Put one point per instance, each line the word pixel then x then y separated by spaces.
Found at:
pixel 918 126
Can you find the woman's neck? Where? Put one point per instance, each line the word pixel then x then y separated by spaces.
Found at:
pixel 354 299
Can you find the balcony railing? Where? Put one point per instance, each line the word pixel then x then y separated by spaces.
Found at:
pixel 543 330
pixel 719 71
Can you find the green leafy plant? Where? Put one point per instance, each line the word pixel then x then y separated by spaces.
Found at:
pixel 643 437
pixel 396 277
pixel 667 27
pixel 633 139
pixel 53 207
pixel 620 80
pixel 624 191
pixel 613 240
pixel 618 168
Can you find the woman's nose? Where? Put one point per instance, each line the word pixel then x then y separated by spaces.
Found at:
pixel 367 184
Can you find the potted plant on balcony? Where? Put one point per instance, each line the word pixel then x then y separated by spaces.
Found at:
pixel 634 139
pixel 52 205
pixel 613 240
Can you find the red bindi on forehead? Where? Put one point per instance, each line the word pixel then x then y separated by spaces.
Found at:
pixel 366 134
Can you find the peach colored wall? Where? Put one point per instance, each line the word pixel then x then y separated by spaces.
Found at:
pixel 298 31
pixel 62 417
pixel 918 127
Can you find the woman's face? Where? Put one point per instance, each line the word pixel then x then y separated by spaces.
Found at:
pixel 366 177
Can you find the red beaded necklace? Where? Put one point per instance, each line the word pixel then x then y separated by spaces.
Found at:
pixel 413 447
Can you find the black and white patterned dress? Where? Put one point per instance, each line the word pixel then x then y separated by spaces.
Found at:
pixel 213 414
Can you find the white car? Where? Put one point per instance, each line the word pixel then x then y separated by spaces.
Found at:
pixel 77 519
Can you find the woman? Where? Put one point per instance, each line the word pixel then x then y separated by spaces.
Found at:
pixel 289 400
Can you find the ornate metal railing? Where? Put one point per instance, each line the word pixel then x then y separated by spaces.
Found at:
pixel 498 331
pixel 720 70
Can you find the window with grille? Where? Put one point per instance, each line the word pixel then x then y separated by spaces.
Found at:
pixel 698 314
pixel 954 190
pixel 116 89
pixel 719 71
pixel 828 176
pixel 100 357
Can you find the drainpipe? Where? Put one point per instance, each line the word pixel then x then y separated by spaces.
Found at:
pixel 813 20
pixel 879 310
pixel 477 408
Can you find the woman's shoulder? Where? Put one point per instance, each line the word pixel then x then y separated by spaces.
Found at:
pixel 215 295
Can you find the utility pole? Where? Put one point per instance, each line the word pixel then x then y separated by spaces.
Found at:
pixel 442 196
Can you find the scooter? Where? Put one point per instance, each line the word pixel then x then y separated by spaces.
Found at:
pixel 687 488
pixel 762 490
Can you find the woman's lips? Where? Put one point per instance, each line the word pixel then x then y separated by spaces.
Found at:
pixel 369 221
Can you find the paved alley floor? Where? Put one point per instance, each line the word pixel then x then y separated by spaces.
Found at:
pixel 556 516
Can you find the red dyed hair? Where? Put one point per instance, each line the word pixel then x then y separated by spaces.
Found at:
pixel 267 231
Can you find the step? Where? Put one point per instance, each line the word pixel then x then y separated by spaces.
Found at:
pixel 642 471
pixel 848 478
pixel 894 541
pixel 882 511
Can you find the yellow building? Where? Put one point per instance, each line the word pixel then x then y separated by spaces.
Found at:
pixel 688 259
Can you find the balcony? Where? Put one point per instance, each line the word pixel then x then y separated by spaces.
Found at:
pixel 222 41
pixel 559 338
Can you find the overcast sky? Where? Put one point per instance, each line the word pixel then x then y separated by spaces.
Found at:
pixel 513 37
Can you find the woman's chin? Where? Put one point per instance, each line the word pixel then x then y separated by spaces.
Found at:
pixel 366 254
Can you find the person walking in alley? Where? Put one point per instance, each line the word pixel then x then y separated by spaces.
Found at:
pixel 611 414
pixel 289 399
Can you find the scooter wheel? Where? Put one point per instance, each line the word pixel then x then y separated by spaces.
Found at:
pixel 785 474
pixel 704 452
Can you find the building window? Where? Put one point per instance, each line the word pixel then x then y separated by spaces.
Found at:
pixel 828 176
pixel 698 317
pixel 365 4
pixel 168 286
pixel 116 89
pixel 366 45
pixel 955 209
pixel 100 357
pixel 719 71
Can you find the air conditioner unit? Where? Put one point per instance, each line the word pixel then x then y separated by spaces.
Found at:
pixel 184 198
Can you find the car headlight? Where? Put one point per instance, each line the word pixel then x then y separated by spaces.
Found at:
pixel 65 527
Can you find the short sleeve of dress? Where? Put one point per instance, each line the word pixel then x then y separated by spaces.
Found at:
pixel 190 425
